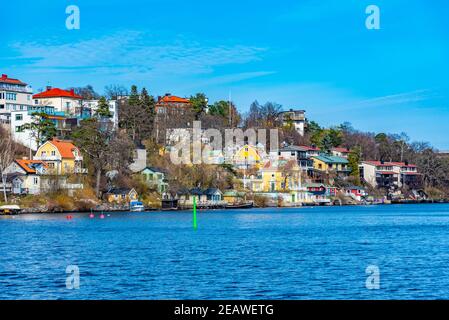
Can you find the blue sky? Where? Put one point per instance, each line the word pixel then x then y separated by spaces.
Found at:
pixel 315 55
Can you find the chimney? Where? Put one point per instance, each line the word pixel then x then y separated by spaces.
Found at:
pixel 168 94
pixel 72 91
pixel 382 162
pixel 4 76
pixel 406 162
pixel 48 88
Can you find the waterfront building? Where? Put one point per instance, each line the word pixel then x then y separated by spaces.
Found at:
pixel 61 157
pixel 233 196
pixel 26 176
pixel 295 119
pixel 121 195
pixel 328 164
pixel 276 176
pixel 355 192
pixel 15 95
pixel 390 175
pixel 211 197
pixel 321 193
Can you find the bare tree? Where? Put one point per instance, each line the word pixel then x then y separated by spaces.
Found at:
pixel 7 153
pixel 115 91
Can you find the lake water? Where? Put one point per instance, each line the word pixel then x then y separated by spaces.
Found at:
pixel 301 253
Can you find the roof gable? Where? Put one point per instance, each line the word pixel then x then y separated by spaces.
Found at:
pixel 57 93
pixel 64 147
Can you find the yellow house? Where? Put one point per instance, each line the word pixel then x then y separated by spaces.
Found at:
pixel 121 195
pixel 279 176
pixel 327 163
pixel 247 157
pixel 61 157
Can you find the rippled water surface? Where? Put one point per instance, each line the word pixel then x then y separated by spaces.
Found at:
pixel 302 253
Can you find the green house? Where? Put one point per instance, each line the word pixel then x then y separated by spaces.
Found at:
pixel 155 178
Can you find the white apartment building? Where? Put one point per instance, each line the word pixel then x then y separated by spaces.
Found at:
pixel 15 95
pixel 295 118
pixel 92 105
pixel 380 174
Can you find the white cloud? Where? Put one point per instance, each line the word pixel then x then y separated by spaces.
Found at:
pixel 131 55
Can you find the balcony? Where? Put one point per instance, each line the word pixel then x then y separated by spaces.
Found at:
pixel 80 170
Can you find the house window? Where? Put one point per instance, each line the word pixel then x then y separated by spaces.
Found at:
pixel 19 129
pixel 53 153
pixel 35 180
pixel 43 153
pixel 19 117
pixel 51 165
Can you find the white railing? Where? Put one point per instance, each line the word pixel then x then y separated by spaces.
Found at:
pixel 81 170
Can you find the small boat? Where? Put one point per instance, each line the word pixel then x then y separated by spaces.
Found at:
pixel 136 206
pixel 244 205
pixel 10 209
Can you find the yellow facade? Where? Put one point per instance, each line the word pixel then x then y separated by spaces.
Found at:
pixel 61 157
pixel 320 165
pixel 56 164
pixel 329 163
pixel 122 197
pixel 247 157
pixel 281 176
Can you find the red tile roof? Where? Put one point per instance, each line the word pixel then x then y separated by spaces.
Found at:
pixel 25 164
pixel 387 172
pixel 65 148
pixel 56 93
pixel 173 99
pixel 5 79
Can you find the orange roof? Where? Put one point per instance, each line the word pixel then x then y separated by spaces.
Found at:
pixel 173 99
pixel 26 164
pixel 56 93
pixel 5 79
pixel 65 147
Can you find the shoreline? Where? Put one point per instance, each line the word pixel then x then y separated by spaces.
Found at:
pixel 148 210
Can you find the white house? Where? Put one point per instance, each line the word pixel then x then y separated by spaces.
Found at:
pixel 92 105
pixel 25 176
pixel 14 95
pixel 295 118
pixel 62 100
